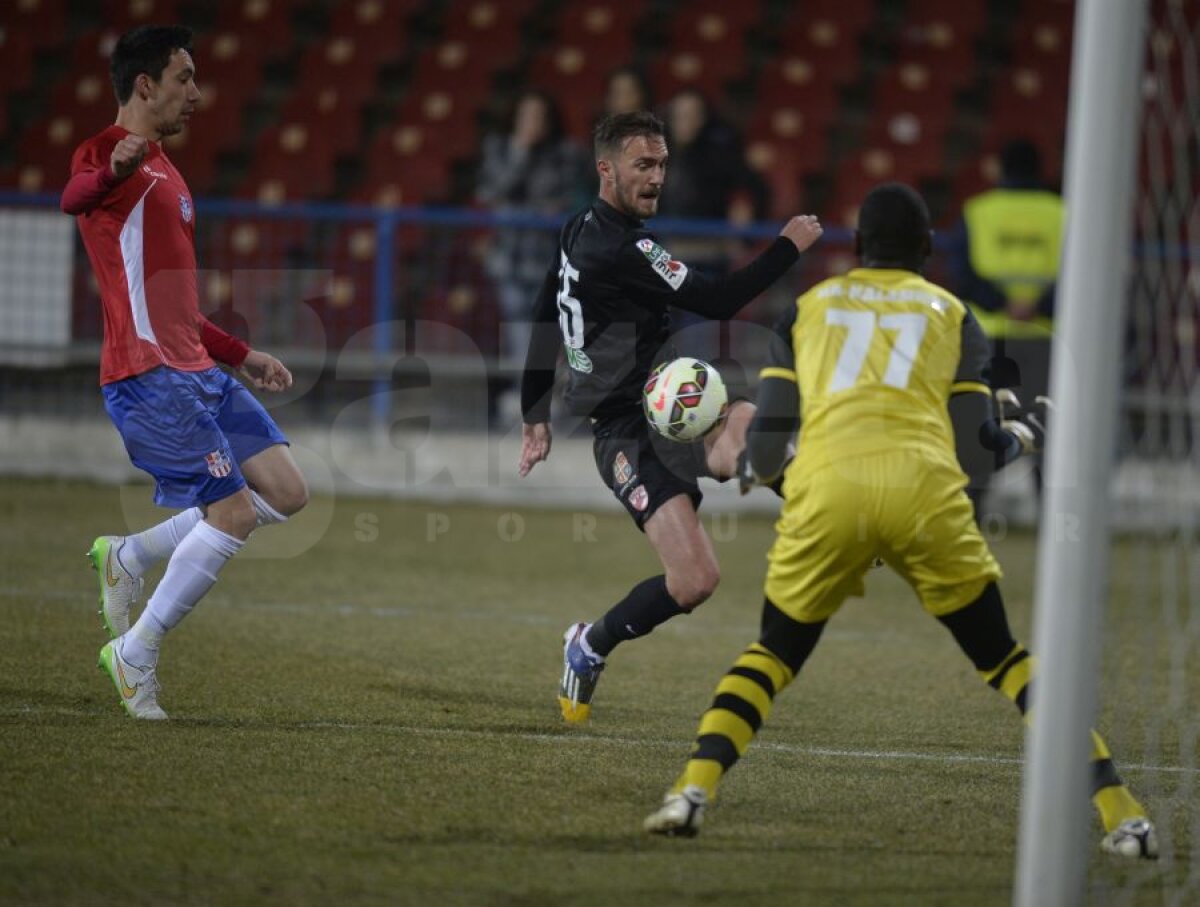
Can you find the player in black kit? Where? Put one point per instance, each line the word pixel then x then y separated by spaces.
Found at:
pixel 609 292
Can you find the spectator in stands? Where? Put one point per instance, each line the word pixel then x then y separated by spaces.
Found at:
pixel 627 91
pixel 709 179
pixel 530 168
pixel 1004 261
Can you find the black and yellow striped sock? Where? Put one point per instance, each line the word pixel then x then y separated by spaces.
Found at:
pixel 739 708
pixel 1111 797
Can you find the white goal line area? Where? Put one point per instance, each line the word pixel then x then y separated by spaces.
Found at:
pixel 575 738
pixel 307 610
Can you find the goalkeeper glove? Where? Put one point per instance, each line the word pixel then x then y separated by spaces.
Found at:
pixel 745 472
pixel 1026 424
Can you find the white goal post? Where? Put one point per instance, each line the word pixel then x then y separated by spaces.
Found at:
pixel 1084 382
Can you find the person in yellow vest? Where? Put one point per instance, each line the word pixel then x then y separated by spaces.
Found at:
pixel 1004 264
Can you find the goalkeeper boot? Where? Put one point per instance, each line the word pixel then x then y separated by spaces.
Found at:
pixel 1135 838
pixel 581 671
pixel 680 815
pixel 137 686
pixel 119 589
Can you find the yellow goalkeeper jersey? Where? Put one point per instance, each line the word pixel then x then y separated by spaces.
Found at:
pixel 876 354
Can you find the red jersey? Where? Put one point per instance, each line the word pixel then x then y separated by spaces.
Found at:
pixel 140 239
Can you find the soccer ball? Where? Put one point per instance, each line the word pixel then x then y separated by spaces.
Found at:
pixel 684 399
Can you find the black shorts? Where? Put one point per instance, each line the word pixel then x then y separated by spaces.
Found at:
pixel 644 469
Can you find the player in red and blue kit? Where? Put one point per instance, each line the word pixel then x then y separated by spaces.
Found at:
pixel 210 446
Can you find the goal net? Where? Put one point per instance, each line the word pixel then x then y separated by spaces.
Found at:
pixel 1150 677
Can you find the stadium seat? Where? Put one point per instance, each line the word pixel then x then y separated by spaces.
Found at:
pixel 17 46
pixel 336 81
pixel 84 92
pixel 800 130
pixel 44 22
pixel 942 23
pixel 379 27
pixel 1042 40
pixel 827 39
pixel 267 24
pixel 1033 103
pixel 402 168
pixel 45 148
pixel 780 167
pixel 292 161
pixel 229 71
pixel 706 47
pixel 124 15
pixel 491 25
pixel 455 68
pixel 606 26
pixel 916 87
pixel 457 293
pixel 575 76
pixel 591 40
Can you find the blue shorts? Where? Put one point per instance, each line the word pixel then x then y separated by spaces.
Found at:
pixel 190 431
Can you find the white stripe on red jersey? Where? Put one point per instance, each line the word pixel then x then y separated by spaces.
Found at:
pixel 141 242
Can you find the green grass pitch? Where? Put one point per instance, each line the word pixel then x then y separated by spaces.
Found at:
pixel 374 721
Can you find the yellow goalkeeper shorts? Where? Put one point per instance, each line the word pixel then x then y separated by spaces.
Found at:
pixel 904 506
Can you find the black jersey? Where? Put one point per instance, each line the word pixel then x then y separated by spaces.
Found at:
pixel 605 301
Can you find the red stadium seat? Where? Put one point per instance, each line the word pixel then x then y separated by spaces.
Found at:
pixel 798 133
pixel 44 22
pixel 378 27
pixel 604 26
pixel 84 92
pixel 124 15
pixel 706 47
pixel 454 67
pixel 228 73
pixel 575 76
pixel 45 149
pixel 939 23
pixel 17 46
pixel 265 23
pixel 335 83
pixel 333 110
pixel 1031 103
pixel 911 86
pixel 489 25
pixel 292 161
pixel 1042 40
pixel 828 42
pixel 403 168
pixel 780 166
pixel 338 62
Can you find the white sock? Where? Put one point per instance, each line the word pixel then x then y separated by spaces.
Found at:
pixel 145 549
pixel 266 514
pixel 191 572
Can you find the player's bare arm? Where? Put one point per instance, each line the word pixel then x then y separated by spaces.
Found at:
pixel 535 445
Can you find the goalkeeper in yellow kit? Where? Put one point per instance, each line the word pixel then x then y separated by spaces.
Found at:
pixel 869 366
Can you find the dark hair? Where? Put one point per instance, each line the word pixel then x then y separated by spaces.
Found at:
pixel 555 130
pixel 893 224
pixel 147 49
pixel 615 129
pixel 1021 160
